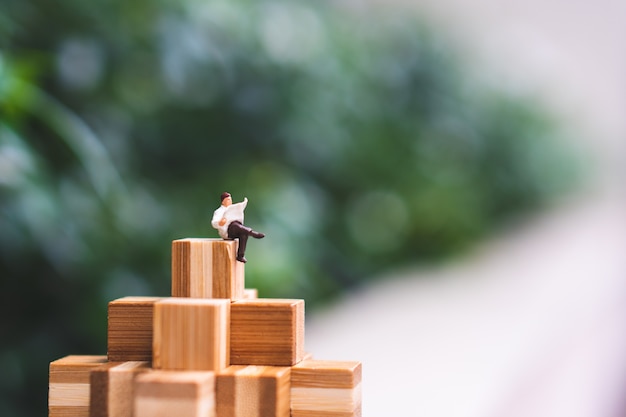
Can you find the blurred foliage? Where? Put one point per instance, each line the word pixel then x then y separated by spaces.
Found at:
pixel 359 141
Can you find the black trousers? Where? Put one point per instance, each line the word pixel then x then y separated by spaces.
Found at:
pixel 236 230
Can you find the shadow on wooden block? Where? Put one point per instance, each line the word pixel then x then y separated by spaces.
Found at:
pixel 206 268
pixel 253 391
pixel 267 332
pixel 129 335
pixel 112 388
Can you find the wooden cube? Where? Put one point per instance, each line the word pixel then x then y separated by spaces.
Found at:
pixel 175 394
pixel 207 268
pixel 267 332
pixel 253 391
pixel 191 334
pixel 129 334
pixel 326 388
pixel 68 394
pixel 112 388
pixel 250 293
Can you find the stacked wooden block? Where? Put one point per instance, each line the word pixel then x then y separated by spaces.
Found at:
pixel 212 349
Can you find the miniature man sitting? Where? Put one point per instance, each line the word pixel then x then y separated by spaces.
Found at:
pixel 228 220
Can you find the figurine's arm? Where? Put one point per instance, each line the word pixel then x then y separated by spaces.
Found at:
pixel 234 212
pixel 218 218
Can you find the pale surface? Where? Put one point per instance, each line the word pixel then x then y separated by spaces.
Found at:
pixel 533 323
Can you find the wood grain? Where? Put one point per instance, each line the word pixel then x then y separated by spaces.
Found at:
pixel 326 374
pixel 326 388
pixel 207 268
pixel 253 391
pixel 112 388
pixel 191 334
pixel 175 394
pixel 129 335
pixel 69 385
pixel 267 332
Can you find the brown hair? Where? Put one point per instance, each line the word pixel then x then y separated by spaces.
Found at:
pixel 224 196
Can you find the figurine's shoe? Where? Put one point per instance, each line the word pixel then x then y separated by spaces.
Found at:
pixel 257 235
pixel 242 259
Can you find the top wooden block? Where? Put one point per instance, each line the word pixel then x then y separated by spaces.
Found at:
pixel 206 268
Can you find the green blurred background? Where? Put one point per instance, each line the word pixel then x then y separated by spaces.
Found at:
pixel 361 140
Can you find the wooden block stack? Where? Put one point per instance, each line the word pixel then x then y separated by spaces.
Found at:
pixel 212 349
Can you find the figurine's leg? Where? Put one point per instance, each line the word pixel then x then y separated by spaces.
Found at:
pixel 241 250
pixel 256 235
pixel 238 230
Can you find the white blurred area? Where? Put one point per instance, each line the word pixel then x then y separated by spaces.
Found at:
pixel 533 321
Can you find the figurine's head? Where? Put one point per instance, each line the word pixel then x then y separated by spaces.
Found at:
pixel 227 200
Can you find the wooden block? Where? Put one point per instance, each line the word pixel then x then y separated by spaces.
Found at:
pixel 129 335
pixel 326 388
pixel 267 332
pixel 253 391
pixel 250 293
pixel 191 334
pixel 68 394
pixel 112 388
pixel 207 268
pixel 175 394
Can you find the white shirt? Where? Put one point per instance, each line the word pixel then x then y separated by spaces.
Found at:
pixel 232 213
pixel 218 215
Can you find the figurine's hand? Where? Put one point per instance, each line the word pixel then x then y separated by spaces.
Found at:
pixel 223 221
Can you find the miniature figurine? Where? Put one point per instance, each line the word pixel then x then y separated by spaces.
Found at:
pixel 228 220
